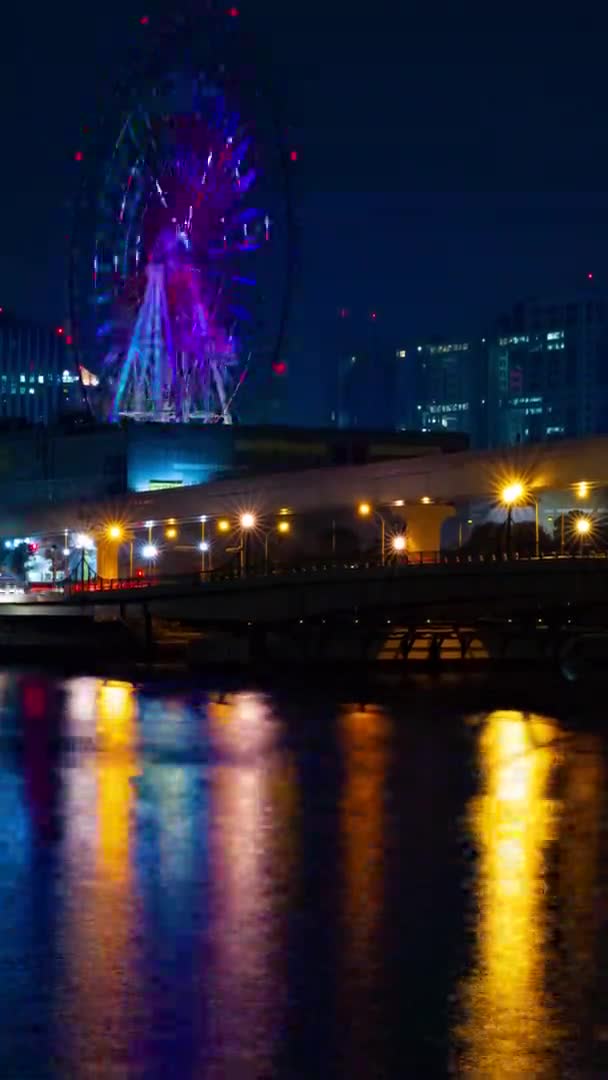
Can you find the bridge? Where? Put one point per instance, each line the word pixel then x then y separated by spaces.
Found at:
pixel 351 610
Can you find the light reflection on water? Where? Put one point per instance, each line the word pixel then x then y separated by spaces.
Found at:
pixel 510 1029
pixel 198 885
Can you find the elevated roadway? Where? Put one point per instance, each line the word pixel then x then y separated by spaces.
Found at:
pixel 443 479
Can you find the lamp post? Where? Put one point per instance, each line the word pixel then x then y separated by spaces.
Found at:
pixel 150 554
pixel 283 528
pixel 581 490
pixel 583 529
pixel 204 546
pixel 364 510
pixel 247 522
pixel 514 494
pixel 510 495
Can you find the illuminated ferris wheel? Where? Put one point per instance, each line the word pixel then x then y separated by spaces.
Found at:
pixel 180 262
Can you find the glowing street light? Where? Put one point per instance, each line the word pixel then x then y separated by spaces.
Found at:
pixel 283 528
pixel 364 510
pixel 83 542
pixel 203 547
pixel 399 543
pixel 149 552
pixel 115 532
pixel 583 529
pixel 171 533
pixel 512 493
pixel 247 522
pixel 582 489
pixel 223 525
pixel 582 526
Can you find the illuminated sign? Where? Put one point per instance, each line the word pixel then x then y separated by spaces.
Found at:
pixel 158 485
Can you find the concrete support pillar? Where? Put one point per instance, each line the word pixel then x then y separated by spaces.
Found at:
pixel 107 558
pixel 424 524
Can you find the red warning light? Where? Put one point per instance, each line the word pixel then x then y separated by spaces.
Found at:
pixel 69 340
pixel 233 12
pixel 293 156
pixel 60 330
pixel 78 156
pixel 145 19
pixel 373 316
pixel 280 368
pixel 343 313
pixel 590 276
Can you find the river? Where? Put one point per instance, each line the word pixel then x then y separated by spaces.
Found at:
pixel 252 885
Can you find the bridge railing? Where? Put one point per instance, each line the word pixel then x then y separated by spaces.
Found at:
pixel 316 566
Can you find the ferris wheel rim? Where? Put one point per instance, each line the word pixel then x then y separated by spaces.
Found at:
pixel 149 77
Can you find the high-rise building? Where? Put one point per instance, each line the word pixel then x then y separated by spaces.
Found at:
pixel 548 372
pixel 37 379
pixel 445 387
pixel 363 374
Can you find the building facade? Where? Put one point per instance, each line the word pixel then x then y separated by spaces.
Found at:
pixel 37 379
pixel 548 372
pixel 443 387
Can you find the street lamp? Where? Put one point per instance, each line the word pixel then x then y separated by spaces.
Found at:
pixel 247 522
pixel 203 546
pixel 399 544
pixel 223 525
pixel 114 532
pixel 514 494
pixel 364 510
pixel 582 489
pixel 171 532
pixel 582 526
pixel 283 528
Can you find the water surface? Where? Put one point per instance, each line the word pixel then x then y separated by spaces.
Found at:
pixel 197 885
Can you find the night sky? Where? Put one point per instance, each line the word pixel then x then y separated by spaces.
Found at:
pixel 446 168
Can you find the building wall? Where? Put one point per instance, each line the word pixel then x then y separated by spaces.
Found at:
pixel 37 379
pixel 40 466
pixel 548 372
pixel 447 387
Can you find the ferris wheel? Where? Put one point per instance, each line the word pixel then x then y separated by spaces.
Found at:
pixel 180 255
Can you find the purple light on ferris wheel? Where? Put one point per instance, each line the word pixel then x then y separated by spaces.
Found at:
pixel 173 320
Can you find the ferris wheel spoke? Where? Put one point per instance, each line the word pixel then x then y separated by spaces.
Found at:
pixel 176 236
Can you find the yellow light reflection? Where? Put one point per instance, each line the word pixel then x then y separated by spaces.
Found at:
pixel 364 741
pixel 508 1030
pixel 100 909
pixel 116 716
pixel 252 806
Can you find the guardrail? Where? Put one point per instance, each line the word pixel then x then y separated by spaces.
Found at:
pixel 418 560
